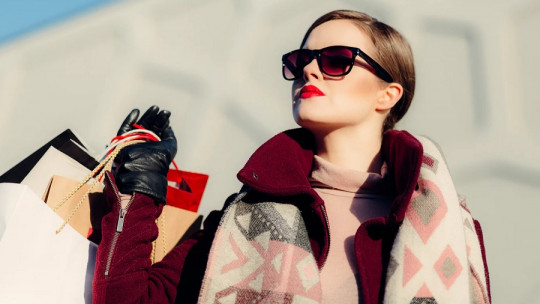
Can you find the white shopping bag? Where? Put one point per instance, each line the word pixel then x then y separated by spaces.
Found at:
pixel 53 162
pixel 36 264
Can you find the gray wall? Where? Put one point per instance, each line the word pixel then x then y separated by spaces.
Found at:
pixel 216 66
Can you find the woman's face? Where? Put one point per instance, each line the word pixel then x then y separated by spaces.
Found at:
pixel 346 101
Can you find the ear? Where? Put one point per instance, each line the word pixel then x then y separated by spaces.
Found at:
pixel 389 96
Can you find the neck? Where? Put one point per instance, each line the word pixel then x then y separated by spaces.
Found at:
pixel 351 148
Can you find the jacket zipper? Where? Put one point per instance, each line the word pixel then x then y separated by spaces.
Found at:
pixel 323 211
pixel 119 227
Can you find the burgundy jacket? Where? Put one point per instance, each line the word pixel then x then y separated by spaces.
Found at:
pixel 277 171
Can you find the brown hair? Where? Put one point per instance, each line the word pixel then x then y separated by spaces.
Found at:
pixel 393 53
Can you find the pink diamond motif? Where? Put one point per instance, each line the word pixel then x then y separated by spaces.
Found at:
pixel 427 209
pixel 424 292
pixel 411 265
pixel 448 267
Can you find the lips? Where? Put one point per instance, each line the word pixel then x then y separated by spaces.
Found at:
pixel 310 91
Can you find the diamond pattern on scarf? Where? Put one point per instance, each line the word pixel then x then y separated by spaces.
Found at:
pixel 424 292
pixel 428 209
pixel 416 300
pixel 448 267
pixel 444 241
pixel 430 162
pixel 467 224
pixel 423 296
pixel 411 265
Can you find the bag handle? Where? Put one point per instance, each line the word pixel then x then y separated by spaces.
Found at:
pixel 97 173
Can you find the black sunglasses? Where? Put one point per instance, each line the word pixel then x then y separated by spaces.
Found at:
pixel 332 60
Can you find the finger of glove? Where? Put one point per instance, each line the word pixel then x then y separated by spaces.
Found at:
pixel 127 124
pixel 148 118
pixel 161 122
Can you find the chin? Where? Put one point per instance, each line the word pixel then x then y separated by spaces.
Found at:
pixel 312 125
pixel 304 123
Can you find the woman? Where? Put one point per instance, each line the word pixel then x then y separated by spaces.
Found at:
pixel 342 210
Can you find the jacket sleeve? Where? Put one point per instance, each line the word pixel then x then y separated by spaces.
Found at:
pixel 480 235
pixel 123 270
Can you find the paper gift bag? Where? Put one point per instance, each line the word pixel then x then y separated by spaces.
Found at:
pixel 173 223
pixel 174 226
pixel 66 142
pixel 37 265
pixel 187 190
pixel 53 162
pixel 84 218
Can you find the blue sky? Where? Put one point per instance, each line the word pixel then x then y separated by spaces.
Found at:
pixel 21 17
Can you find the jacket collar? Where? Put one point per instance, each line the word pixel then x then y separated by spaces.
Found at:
pixel 281 166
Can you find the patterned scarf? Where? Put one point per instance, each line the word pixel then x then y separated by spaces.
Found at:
pixel 261 252
pixel 436 257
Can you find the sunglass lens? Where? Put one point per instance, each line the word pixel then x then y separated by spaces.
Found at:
pixel 336 61
pixel 294 63
pixel 289 65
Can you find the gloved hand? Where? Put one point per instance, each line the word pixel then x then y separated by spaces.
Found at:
pixel 152 120
pixel 143 167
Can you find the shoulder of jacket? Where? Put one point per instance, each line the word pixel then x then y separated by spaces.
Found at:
pixel 431 147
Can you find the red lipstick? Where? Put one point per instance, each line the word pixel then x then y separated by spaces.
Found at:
pixel 310 91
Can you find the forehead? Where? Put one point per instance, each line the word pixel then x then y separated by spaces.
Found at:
pixel 339 32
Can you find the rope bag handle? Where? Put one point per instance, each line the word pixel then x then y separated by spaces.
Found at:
pixel 97 174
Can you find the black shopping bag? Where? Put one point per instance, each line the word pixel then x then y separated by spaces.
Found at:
pixel 67 142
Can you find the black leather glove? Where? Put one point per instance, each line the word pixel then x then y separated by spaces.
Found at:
pixel 143 167
pixel 152 120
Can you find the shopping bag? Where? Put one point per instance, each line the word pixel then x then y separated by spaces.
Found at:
pixel 179 218
pixel 53 162
pixel 87 217
pixel 77 208
pixel 66 142
pixel 174 224
pixel 185 189
pixel 37 265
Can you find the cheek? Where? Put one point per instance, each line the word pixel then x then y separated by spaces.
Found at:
pixel 358 91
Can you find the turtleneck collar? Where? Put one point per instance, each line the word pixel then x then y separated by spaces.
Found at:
pixel 328 175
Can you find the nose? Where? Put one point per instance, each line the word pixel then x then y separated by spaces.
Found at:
pixel 312 70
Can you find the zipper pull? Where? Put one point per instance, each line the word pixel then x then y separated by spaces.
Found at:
pixel 121 216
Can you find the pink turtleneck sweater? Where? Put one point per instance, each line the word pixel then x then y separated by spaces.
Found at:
pixel 351 197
